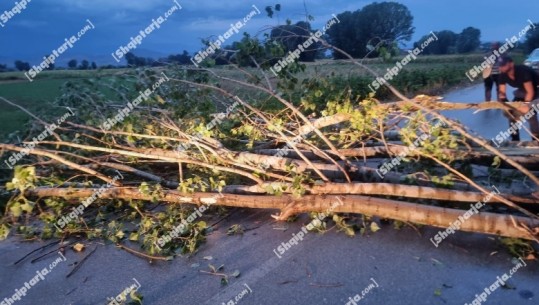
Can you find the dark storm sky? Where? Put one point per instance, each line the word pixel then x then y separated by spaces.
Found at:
pixel 44 24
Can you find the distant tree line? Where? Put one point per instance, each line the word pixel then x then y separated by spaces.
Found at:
pixel 373 31
pixel 84 65
pixel 449 42
pixel 532 39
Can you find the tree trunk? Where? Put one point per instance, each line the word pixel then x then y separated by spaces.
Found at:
pixel 487 223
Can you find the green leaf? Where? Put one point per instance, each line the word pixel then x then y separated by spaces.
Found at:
pixel 497 161
pixel 27 207
pixel 374 227
pixel 120 234
pixel 135 297
pixel 144 188
pixel 16 209
pixel 4 231
pixel 349 231
pixel 133 236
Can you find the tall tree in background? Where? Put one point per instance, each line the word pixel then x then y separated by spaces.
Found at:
pixel 51 66
pixel 343 35
pixel 136 61
pixel 249 51
pixel 381 24
pixel 72 64
pixel 446 43
pixel 84 65
pixel 290 36
pixel 182 59
pixel 22 66
pixel 532 38
pixel 468 40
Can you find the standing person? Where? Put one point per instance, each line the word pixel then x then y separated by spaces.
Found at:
pixel 527 83
pixel 491 75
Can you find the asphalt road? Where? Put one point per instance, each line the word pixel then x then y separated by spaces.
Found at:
pixel 390 266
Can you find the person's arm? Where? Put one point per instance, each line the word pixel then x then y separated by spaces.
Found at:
pixel 502 96
pixel 530 91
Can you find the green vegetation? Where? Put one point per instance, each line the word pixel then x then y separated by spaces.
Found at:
pixel 39 96
pixel 322 89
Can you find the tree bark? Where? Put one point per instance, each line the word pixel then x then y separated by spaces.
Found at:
pixel 487 223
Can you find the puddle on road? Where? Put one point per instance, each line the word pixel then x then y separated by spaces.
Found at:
pixel 486 123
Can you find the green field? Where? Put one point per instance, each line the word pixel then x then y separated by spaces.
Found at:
pixel 36 96
pixel 427 74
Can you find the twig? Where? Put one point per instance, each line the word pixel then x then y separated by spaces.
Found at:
pixel 77 267
pixel 325 285
pixel 287 282
pixel 214 273
pixel 162 258
pixel 50 252
pixel 53 156
pixel 33 251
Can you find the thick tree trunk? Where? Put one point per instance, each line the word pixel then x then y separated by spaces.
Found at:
pixel 382 189
pixel 487 223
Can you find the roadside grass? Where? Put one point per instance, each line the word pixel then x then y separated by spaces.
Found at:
pixel 427 74
pixel 36 97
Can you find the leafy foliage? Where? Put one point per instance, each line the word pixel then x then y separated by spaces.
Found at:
pixel 468 40
pixel 385 22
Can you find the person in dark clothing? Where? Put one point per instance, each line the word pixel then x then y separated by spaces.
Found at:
pixel 527 83
pixel 491 75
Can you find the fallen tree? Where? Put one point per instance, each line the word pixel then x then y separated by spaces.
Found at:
pixel 488 223
pixel 270 150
